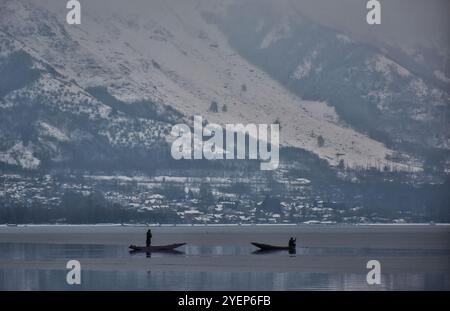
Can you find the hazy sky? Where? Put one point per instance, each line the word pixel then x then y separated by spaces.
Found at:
pixel 407 22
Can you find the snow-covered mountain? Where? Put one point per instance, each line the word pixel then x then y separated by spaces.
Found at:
pixel 132 68
pixel 375 88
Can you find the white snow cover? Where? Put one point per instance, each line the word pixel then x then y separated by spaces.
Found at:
pixel 441 76
pixel 166 52
pixel 277 33
pixel 344 38
pixel 303 70
pixel 53 131
pixel 387 66
pixel 20 155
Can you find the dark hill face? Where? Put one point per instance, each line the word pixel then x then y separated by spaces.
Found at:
pixel 16 72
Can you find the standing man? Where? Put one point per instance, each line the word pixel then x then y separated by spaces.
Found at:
pixel 292 243
pixel 148 242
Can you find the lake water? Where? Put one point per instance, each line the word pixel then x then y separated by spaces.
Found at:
pixel 201 265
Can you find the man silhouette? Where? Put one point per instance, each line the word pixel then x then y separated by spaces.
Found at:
pixel 148 242
pixel 292 243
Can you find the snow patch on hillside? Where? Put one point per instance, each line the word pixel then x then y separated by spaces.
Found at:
pixel 441 76
pixel 386 66
pixel 278 33
pixel 52 131
pixel 303 70
pixel 344 38
pixel 20 155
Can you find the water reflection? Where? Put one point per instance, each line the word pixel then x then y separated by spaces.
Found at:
pixel 41 251
pixel 291 252
pixel 23 277
pixel 182 280
pixel 148 254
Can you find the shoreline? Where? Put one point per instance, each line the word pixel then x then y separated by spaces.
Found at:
pixel 226 225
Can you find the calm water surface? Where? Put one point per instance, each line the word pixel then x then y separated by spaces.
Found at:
pixel 28 273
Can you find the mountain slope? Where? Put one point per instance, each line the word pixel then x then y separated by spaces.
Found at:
pixel 169 55
pixel 400 106
pixel 47 120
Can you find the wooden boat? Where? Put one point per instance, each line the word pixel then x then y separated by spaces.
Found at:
pixel 155 248
pixel 268 247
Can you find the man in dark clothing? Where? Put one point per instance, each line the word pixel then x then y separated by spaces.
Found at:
pixel 148 242
pixel 292 243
